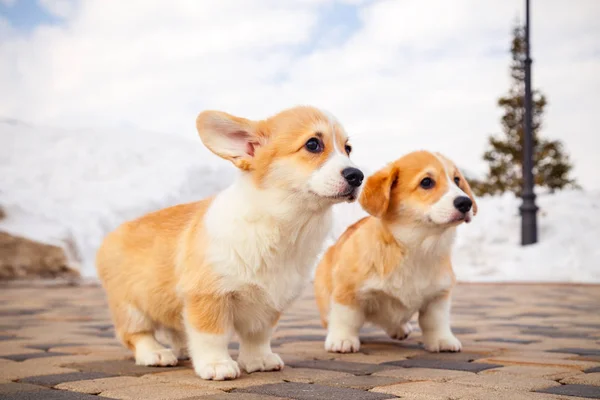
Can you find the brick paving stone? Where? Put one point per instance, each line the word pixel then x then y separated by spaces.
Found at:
pixel 457 330
pixel 237 396
pixel 14 387
pixel 309 375
pixel 362 382
pixel 578 351
pixel 461 356
pixel 48 346
pixel 28 356
pixel 424 374
pixel 303 391
pixel 443 364
pixel 536 354
pixel 96 386
pixel 506 382
pixel 102 327
pixel 19 370
pixel 189 378
pixel 585 391
pixel 342 366
pixel 541 361
pixel 93 349
pixel 55 379
pixel 508 340
pixel 553 333
pixel 120 367
pixel 158 391
pixel 453 391
pixel 19 312
pixel 583 379
pixel 9 348
pixel 49 394
pixel 528 339
pixel 553 373
pixel 430 391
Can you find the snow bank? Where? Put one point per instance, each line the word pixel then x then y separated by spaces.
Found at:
pixel 488 249
pixel 71 188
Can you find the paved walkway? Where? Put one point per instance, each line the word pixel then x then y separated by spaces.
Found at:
pixel 520 342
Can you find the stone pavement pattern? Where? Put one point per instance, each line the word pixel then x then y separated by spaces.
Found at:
pixel 519 342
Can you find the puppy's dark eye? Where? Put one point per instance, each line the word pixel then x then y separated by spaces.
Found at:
pixel 348 149
pixel 457 180
pixel 427 183
pixel 314 145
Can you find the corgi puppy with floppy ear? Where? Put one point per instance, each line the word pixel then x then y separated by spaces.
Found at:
pixel 396 262
pixel 231 263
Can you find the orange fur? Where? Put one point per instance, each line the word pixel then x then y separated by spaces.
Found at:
pixel 359 270
pixel 157 272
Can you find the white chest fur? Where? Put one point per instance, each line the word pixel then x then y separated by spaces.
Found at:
pixel 420 275
pixel 262 240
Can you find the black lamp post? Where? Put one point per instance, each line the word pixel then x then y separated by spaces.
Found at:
pixel 528 208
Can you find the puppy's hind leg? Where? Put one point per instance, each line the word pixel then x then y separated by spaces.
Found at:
pixel 177 341
pixel 255 343
pixel 394 321
pixel 137 331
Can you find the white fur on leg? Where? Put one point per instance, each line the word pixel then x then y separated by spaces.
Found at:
pixel 256 353
pixel 177 341
pixel 149 352
pixel 343 327
pixel 434 320
pixel 210 355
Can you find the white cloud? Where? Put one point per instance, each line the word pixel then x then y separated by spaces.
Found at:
pixel 414 74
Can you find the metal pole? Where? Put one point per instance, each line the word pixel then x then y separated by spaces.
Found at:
pixel 528 207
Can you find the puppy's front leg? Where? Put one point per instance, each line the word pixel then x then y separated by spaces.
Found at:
pixel 434 319
pixel 208 326
pixel 255 352
pixel 344 325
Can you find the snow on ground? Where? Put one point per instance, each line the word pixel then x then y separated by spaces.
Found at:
pixel 488 249
pixel 72 187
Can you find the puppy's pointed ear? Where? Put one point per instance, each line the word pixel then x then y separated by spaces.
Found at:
pixel 232 138
pixel 375 196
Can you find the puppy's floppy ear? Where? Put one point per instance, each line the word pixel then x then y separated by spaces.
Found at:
pixel 464 186
pixel 232 138
pixel 375 196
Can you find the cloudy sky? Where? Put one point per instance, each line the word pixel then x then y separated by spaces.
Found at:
pixel 399 74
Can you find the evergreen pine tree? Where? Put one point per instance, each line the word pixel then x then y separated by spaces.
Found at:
pixel 504 154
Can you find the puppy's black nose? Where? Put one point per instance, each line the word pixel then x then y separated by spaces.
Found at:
pixel 353 176
pixel 463 204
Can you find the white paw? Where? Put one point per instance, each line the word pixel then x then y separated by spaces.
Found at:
pixel 218 371
pixel 401 332
pixel 339 344
pixel 156 358
pixel 266 362
pixel 437 343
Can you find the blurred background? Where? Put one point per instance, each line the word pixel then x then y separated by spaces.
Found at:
pixel 98 100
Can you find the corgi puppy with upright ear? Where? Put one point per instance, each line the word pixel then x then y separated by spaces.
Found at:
pixel 396 262
pixel 231 263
